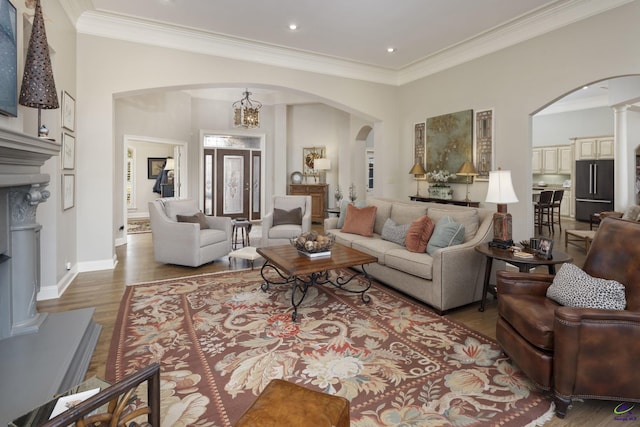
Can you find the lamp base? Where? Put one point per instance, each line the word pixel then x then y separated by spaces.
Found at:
pixel 502 224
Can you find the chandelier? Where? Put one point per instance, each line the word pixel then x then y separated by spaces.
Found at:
pixel 246 112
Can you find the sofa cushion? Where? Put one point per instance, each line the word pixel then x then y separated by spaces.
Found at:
pixel 414 263
pixel 198 218
pixel 383 212
pixel 284 231
pixel 211 236
pixel 343 209
pixel 468 217
pixel 405 213
pixel 345 239
pixel 282 216
pixel 573 287
pixel 360 220
pixel 418 234
pixel 394 232
pixel 175 207
pixel 375 246
pixel 632 213
pixel 447 233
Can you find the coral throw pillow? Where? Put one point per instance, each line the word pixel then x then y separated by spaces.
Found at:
pixel 419 234
pixel 360 220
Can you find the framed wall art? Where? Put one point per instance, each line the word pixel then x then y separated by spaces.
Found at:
pixel 309 155
pixel 154 166
pixel 419 140
pixel 483 149
pixel 449 142
pixel 68 151
pixel 68 191
pixel 68 111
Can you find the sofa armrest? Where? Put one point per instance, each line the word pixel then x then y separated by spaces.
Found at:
pixel 330 223
pixel 220 223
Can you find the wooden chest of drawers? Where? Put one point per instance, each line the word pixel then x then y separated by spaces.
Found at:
pixel 318 193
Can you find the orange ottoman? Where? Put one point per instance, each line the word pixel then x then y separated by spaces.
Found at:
pixel 285 404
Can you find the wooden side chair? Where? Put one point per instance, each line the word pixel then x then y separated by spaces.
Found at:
pixel 118 397
pixel 556 202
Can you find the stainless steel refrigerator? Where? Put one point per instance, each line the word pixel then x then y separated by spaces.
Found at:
pixel 594 187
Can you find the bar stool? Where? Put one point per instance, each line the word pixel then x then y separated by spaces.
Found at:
pixel 542 208
pixel 556 201
pixel 244 226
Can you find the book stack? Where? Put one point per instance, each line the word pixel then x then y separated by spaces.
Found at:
pixel 522 254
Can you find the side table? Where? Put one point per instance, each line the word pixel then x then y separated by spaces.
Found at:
pixel 523 264
pixel 244 226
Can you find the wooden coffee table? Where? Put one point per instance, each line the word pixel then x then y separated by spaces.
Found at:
pixel 304 272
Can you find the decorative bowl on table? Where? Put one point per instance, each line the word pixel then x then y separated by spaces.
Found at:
pixel 313 243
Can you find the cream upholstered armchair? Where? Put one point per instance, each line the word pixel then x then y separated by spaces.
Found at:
pixel 290 217
pixel 182 235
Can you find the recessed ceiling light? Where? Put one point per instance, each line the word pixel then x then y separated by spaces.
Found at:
pixel 293 27
pixel 391 49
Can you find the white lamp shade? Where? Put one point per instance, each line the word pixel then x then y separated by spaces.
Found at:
pixel 500 188
pixel 170 165
pixel 322 164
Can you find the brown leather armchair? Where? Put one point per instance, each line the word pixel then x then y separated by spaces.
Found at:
pixel 577 352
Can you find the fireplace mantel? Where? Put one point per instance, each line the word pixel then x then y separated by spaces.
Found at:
pixel 21 157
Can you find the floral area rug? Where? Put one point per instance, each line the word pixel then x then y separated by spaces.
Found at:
pixel 137 226
pixel 220 339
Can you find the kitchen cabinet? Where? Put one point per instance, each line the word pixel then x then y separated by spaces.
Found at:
pixel 552 160
pixel 565 159
pixel 318 193
pixel 536 160
pixel 594 148
pixel 567 205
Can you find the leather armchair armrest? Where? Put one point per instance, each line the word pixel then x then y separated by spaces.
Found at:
pixel 536 284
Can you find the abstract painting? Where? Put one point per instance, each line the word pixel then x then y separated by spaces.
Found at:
pixel 449 142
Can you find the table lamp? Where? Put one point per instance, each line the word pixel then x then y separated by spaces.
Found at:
pixel 170 166
pixel 501 192
pixel 467 170
pixel 322 165
pixel 416 170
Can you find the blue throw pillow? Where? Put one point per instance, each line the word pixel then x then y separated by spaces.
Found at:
pixel 343 210
pixel 447 233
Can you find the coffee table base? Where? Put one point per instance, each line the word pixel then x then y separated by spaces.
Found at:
pixel 301 284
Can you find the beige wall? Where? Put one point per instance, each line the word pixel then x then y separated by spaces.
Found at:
pixel 522 79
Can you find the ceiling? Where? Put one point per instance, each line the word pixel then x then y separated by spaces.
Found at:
pixel 427 35
pixel 341 37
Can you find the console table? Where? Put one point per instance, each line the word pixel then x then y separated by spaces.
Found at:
pixel 445 201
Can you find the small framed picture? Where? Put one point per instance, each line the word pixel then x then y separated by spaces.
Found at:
pixel 309 156
pixel 68 111
pixel 68 151
pixel 155 166
pixel 545 249
pixel 68 191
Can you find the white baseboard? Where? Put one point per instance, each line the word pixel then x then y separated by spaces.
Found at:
pixel 56 291
pixel 107 264
pixel 138 215
pixel 121 241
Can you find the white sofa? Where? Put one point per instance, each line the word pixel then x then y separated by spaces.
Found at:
pixel 453 277
pixel 185 243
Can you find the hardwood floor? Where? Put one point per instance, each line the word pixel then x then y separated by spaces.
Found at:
pixel 104 289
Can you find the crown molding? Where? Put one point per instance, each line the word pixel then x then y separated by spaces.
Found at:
pixel 187 39
pixel 528 26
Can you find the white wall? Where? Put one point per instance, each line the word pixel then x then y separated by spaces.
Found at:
pixel 557 129
pixel 520 80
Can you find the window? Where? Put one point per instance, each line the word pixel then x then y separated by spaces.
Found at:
pixel 370 164
pixel 131 178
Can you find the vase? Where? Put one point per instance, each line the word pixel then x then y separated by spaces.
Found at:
pixel 441 192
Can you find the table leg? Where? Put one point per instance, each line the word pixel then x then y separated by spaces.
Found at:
pixel 552 269
pixel 487 277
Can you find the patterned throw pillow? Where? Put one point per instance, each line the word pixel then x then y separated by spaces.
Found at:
pixel 572 287
pixel 393 232
pixel 447 233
